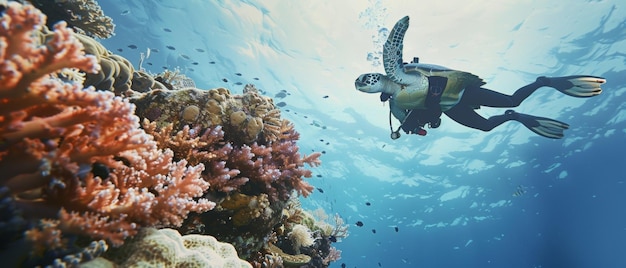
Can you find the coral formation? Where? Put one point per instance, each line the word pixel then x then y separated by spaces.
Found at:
pixel 289 260
pixel 143 82
pixel 246 118
pixel 300 236
pixel 167 248
pixel 247 208
pixel 84 16
pixel 116 72
pixel 78 156
pixel 275 169
pixel 79 173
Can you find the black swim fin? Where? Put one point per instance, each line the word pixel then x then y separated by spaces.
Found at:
pixel 546 127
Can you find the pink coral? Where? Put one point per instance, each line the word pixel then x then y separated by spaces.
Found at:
pixel 276 169
pixel 78 155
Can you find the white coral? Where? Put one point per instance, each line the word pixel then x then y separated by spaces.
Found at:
pixel 300 236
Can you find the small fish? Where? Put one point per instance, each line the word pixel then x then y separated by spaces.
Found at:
pixel 155 50
pixel 195 63
pixel 170 47
pixel 343 265
pixel 125 12
pixel 380 265
pixel 325 97
pixel 281 104
pixel 185 56
pixel 373 231
pixel 200 50
pixel 149 63
pixel 164 67
pixel 190 69
pixel 211 62
pixel 319 175
pixel 368 204
pixel 280 95
pixel 225 80
pixel 396 228
pixel 320 190
pixel 359 223
pixel 256 78
pixel 322 140
pixel 132 46
pixel 519 191
pixel 120 50
pixel 239 83
pixel 238 74
pixel 323 152
pixel 167 30
pixel 328 143
pixel 332 238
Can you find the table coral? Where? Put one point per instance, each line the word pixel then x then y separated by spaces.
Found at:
pixel 78 156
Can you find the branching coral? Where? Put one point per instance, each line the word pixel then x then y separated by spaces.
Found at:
pixel 276 169
pixel 79 154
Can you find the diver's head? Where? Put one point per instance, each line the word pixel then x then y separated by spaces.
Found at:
pixel 369 83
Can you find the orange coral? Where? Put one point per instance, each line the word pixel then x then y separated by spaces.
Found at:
pixel 80 151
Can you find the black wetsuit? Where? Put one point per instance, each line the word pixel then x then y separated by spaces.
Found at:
pixel 464 112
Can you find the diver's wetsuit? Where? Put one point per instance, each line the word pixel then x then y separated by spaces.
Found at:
pixel 463 112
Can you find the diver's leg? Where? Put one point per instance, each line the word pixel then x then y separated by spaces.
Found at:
pixel 546 127
pixel 466 116
pixel 490 98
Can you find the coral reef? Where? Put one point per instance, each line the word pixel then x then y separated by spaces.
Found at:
pixel 275 169
pixel 250 184
pixel 167 248
pixel 80 175
pixel 246 118
pixel 75 160
pixel 84 16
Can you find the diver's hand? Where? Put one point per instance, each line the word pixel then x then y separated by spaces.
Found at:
pixel 417 131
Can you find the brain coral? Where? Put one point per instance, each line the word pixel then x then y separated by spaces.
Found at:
pixel 167 248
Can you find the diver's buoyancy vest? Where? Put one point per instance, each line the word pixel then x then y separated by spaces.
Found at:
pixel 445 87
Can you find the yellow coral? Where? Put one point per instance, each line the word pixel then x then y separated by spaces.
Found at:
pixel 288 259
pixel 246 208
pixel 167 248
pixel 237 118
pixel 254 128
pixel 190 113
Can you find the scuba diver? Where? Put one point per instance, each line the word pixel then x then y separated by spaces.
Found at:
pixel 420 93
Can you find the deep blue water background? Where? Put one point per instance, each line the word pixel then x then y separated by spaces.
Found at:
pixel 450 192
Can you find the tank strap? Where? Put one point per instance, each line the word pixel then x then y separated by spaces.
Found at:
pixel 436 85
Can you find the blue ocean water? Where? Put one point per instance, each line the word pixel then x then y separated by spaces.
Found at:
pixel 452 193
